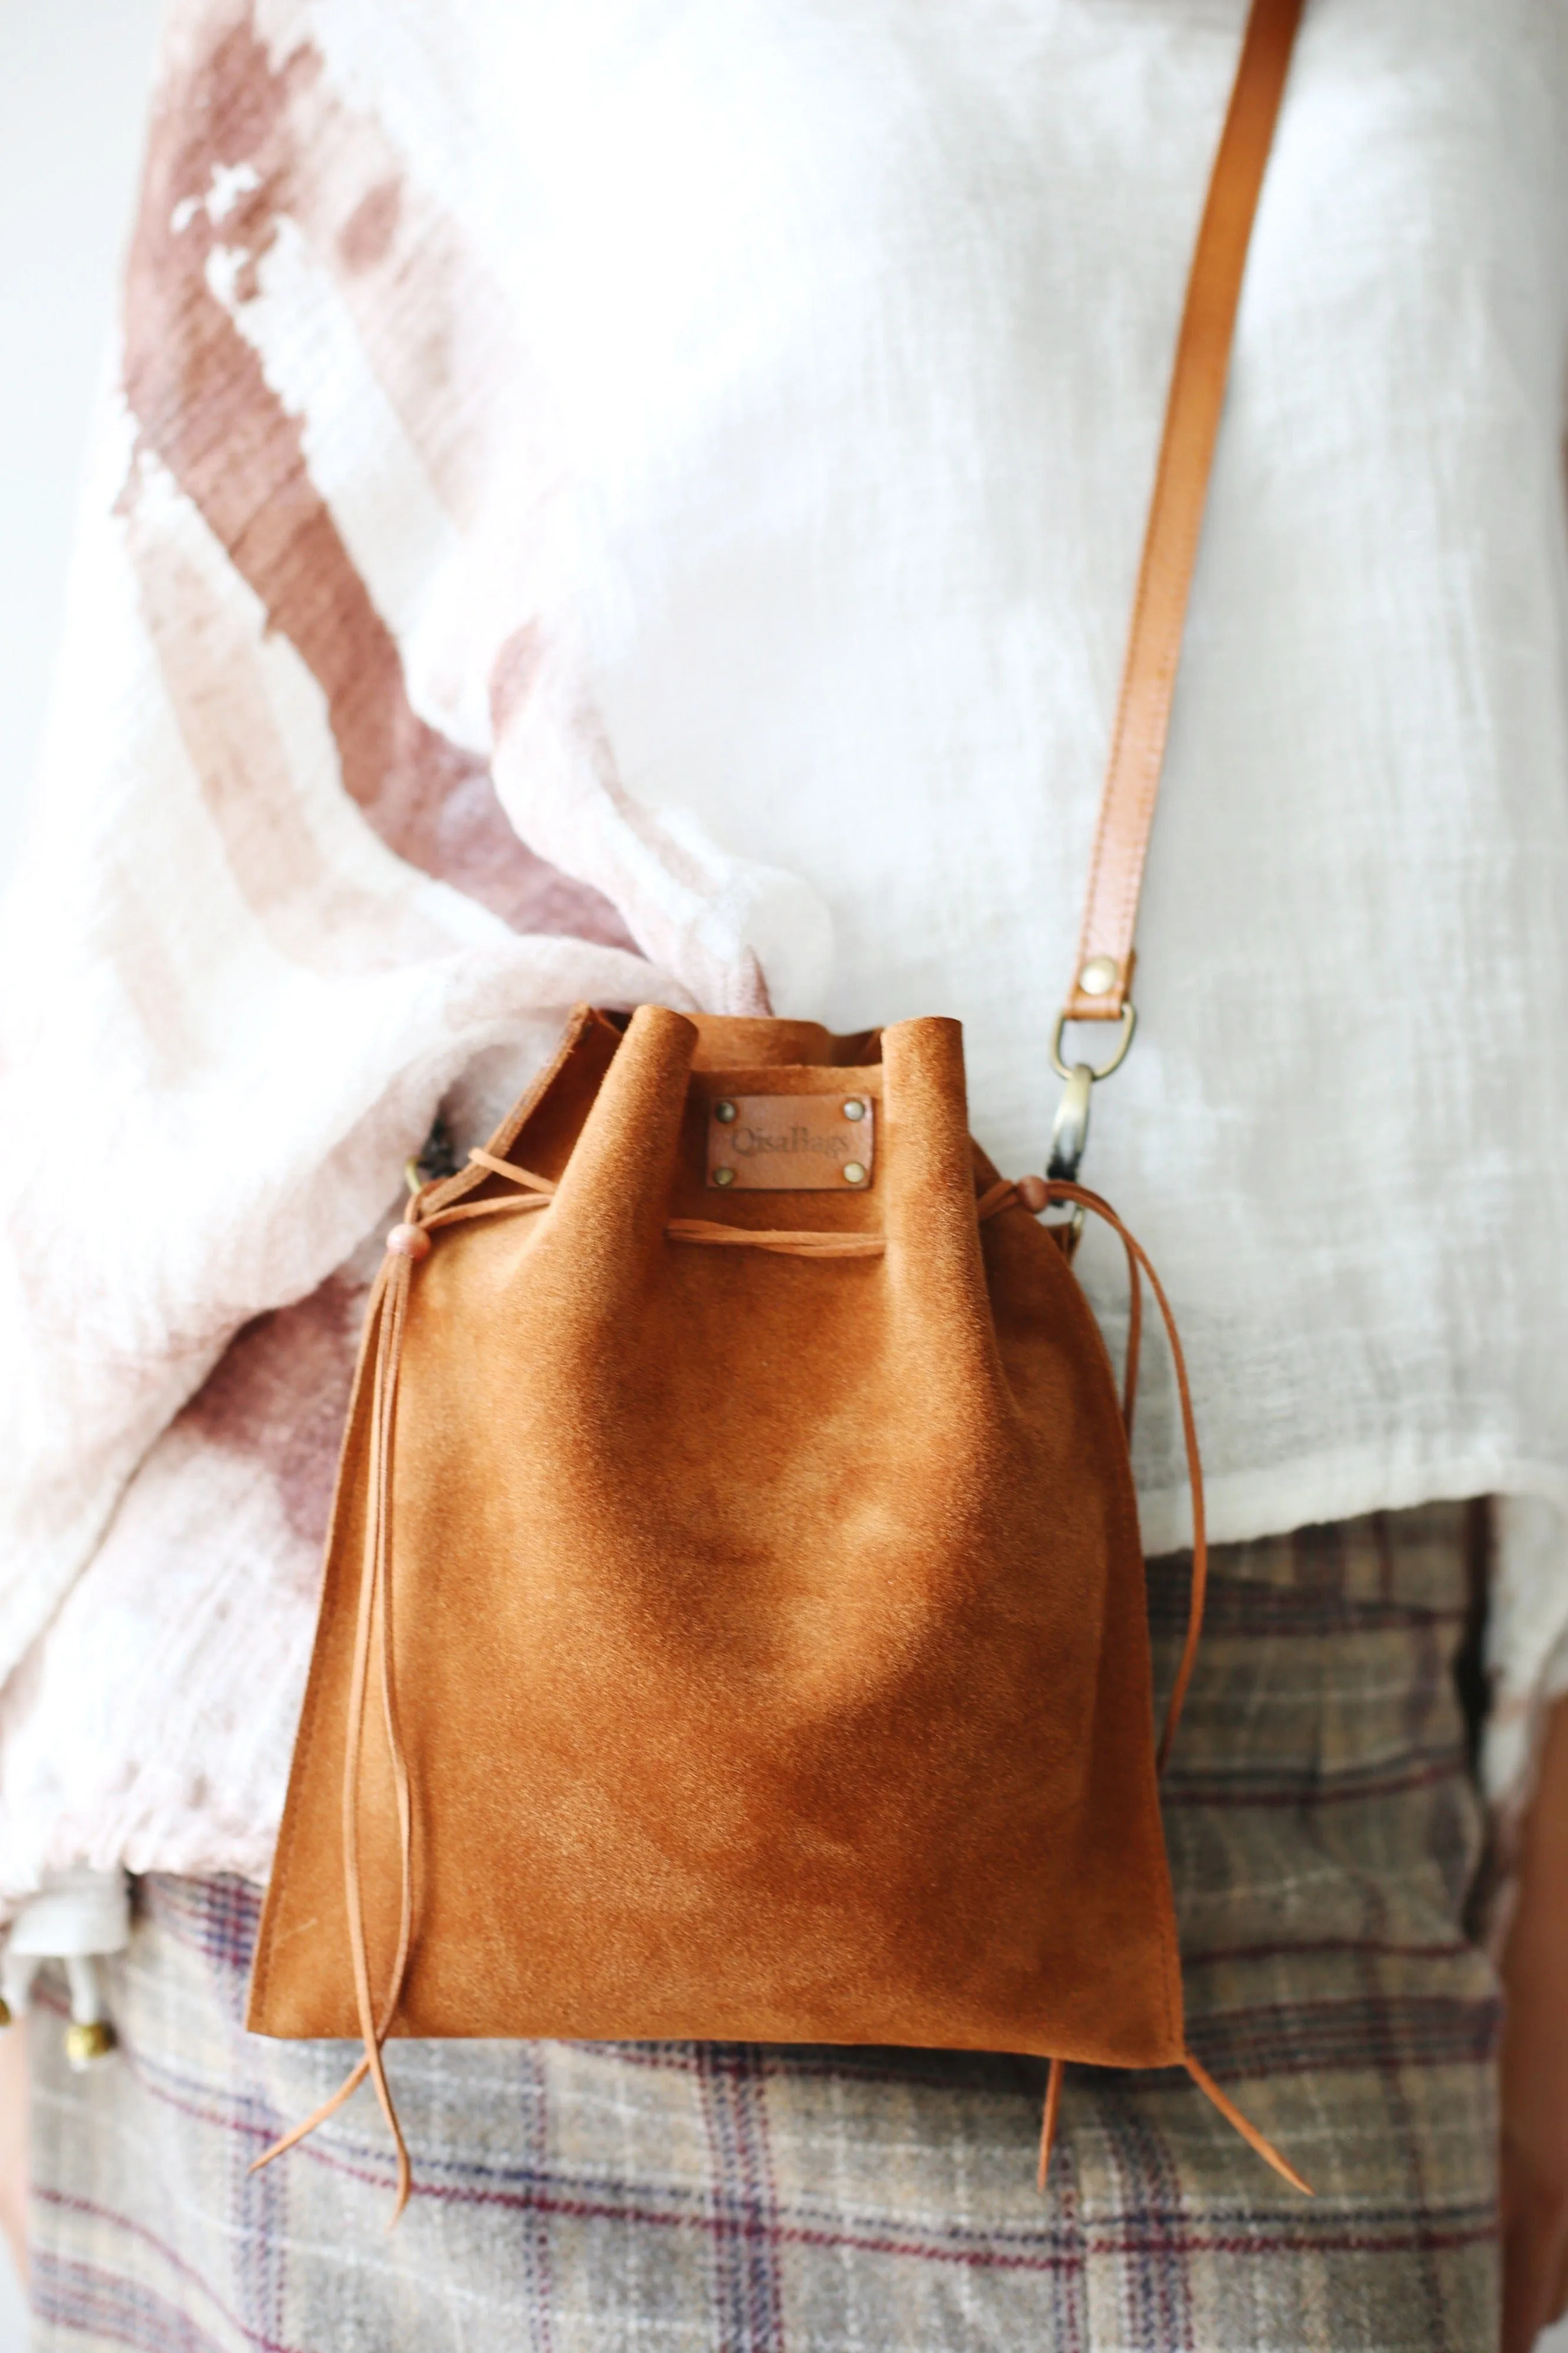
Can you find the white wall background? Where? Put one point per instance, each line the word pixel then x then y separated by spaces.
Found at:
pixel 74 76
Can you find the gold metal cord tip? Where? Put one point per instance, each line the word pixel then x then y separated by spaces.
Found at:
pixel 89 2040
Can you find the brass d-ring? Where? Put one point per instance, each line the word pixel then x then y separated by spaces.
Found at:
pixel 1065 1071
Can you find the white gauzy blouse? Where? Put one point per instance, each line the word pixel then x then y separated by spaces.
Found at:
pixel 774 546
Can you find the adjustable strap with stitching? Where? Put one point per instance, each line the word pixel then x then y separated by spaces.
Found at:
pixel 1101 988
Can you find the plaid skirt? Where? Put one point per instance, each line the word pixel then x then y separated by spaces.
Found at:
pixel 583 2198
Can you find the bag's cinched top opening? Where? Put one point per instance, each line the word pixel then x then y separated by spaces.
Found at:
pixel 731 1042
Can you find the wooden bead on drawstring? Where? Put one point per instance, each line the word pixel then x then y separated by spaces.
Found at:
pixel 1032 1194
pixel 408 1241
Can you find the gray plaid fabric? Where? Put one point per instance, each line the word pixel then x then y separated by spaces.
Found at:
pixel 724 2198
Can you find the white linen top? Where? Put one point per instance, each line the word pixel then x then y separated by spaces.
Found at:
pixel 859 418
pixel 775 550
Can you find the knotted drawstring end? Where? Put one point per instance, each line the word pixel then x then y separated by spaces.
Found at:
pixel 1249 2131
pixel 1226 2106
pixel 1048 2119
pixel 404 2186
pixel 301 2131
pixel 345 2091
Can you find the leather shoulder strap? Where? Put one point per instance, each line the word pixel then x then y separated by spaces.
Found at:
pixel 1102 976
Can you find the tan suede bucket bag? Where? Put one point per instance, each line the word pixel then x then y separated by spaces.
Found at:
pixel 733 1623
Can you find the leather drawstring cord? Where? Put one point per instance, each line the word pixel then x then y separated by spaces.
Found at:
pixel 680 1229
pixel 385 1319
pixel 1036 1193
pixel 386 1323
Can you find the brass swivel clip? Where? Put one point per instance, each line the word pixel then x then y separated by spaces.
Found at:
pixel 1069 1129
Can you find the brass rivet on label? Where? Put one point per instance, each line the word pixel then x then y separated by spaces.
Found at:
pixel 853 1173
pixel 854 1108
pixel 724 1111
pixel 723 1176
pixel 1098 977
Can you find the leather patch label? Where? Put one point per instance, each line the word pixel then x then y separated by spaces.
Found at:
pixel 791 1143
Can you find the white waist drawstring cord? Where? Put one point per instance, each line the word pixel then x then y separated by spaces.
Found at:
pixel 79 1920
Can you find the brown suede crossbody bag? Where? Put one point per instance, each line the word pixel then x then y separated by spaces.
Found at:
pixel 734 1624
